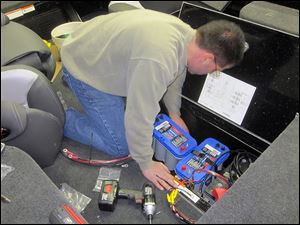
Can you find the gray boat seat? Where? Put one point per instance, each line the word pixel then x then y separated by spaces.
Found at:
pixel 169 7
pixel 21 45
pixel 272 15
pixel 31 112
pixel 117 6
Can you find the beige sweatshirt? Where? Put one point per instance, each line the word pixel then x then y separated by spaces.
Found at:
pixel 138 54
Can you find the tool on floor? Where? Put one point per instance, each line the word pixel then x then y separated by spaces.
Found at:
pixel 110 193
pixel 149 201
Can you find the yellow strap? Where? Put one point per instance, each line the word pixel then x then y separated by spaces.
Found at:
pixel 172 196
pixel 47 43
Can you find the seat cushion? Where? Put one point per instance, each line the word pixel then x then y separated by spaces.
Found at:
pixel 33 195
pixel 26 47
pixel 273 15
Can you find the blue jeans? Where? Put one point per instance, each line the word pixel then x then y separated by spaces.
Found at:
pixel 102 123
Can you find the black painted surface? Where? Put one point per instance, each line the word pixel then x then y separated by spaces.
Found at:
pixel 271 65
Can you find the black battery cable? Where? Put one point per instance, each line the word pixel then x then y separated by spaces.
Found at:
pixel 240 163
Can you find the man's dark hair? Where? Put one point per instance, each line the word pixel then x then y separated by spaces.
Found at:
pixel 224 39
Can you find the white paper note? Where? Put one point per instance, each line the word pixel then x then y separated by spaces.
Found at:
pixel 227 96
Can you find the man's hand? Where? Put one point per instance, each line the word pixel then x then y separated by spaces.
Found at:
pixel 177 119
pixel 160 176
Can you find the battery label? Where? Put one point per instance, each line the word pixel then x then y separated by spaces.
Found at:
pixel 211 151
pixel 163 127
pixel 171 133
pixel 195 164
pixel 179 140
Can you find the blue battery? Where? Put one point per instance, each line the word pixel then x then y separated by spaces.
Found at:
pixel 170 142
pixel 209 154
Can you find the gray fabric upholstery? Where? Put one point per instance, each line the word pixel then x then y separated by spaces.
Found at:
pixel 162 6
pixel 42 136
pixel 170 7
pixel 13 117
pixel 36 126
pixel 33 195
pixel 117 6
pixel 34 59
pixel 33 90
pixel 41 96
pixel 272 15
pixel 268 192
pixel 26 47
pixel 16 79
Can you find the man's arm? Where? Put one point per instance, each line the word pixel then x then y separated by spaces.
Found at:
pixel 172 100
pixel 146 86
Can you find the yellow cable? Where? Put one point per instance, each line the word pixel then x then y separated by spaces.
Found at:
pixel 172 196
pixel 47 43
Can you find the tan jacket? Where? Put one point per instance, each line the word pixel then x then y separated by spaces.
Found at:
pixel 138 54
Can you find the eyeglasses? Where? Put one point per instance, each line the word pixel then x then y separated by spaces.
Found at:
pixel 217 72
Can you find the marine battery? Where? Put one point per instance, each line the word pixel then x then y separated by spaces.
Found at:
pixel 209 155
pixel 170 142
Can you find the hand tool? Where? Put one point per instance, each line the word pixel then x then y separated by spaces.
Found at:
pixel 110 193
